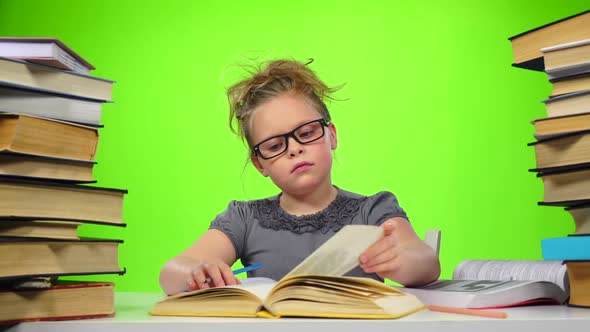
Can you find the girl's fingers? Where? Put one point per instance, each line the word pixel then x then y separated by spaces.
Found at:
pixel 228 275
pixel 388 227
pixel 387 266
pixel 215 275
pixel 375 264
pixel 387 243
pixel 199 279
pixel 208 275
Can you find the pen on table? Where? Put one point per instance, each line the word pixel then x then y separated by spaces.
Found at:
pixel 465 311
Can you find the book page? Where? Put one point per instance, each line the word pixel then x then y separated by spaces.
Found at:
pixel 259 287
pixel 341 252
pixel 552 271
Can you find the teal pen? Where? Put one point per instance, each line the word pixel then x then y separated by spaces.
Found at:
pixel 242 270
pixel 248 268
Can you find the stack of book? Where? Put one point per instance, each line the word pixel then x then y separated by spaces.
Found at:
pixel 50 112
pixel 562 148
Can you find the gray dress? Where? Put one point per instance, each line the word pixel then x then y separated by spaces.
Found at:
pixel 262 232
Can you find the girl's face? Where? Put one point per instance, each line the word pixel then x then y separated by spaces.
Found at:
pixel 302 168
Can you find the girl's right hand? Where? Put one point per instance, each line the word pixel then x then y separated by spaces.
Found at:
pixel 206 274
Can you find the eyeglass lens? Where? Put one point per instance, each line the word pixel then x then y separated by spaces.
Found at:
pixel 304 134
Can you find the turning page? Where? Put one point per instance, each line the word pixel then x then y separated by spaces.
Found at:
pixel 341 252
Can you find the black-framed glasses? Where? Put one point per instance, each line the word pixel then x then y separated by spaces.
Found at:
pixel 304 134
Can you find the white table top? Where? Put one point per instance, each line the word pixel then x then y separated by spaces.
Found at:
pixel 132 315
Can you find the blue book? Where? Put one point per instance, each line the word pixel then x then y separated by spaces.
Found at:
pixel 573 248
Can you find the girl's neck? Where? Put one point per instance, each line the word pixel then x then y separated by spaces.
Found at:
pixel 308 203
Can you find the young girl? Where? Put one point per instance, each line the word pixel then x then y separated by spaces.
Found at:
pixel 282 117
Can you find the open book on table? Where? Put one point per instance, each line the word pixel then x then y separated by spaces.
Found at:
pixel 498 283
pixel 314 288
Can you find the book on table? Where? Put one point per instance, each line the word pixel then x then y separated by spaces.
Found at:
pixel 64 300
pixel 44 200
pixel 573 247
pixel 565 187
pixel 314 288
pixel 44 137
pixel 570 150
pixel 561 125
pixel 526 46
pixel 22 74
pixel 50 105
pixel 568 104
pixel 46 51
pixel 50 112
pixel 579 279
pixel 28 257
pixel 567 59
pixel 570 83
pixel 483 284
pixel 46 229
pixel 581 216
pixel 574 250
pixel 47 168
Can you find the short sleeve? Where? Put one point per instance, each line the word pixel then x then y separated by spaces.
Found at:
pixel 232 222
pixel 380 207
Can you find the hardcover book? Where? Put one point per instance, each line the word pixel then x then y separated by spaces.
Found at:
pixel 483 284
pixel 64 300
pixel 314 288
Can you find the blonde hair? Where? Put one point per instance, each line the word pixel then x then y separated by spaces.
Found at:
pixel 270 80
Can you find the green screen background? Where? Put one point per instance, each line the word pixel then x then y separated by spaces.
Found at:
pixel 433 112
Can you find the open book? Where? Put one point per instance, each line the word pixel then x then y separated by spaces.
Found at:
pixel 498 283
pixel 314 288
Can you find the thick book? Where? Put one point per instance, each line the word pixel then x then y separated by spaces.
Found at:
pixel 22 74
pixel 295 296
pixel 48 105
pixel 574 247
pixel 47 229
pixel 581 216
pixel 30 257
pixel 566 187
pixel 555 152
pixel 44 137
pixel 570 83
pixel 43 200
pixel 559 126
pixel 568 72
pixel 46 168
pixel 568 104
pixel 526 46
pixel 483 284
pixel 579 279
pixel 46 51
pixel 314 288
pixel 566 58
pixel 64 301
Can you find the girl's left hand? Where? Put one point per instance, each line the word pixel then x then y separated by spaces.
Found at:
pixel 400 255
pixel 382 256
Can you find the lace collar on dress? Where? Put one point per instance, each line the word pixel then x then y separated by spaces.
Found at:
pixel 339 213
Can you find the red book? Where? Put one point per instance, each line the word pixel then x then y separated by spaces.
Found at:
pixel 63 301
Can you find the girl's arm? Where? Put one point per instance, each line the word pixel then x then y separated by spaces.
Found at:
pixel 400 255
pixel 204 264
